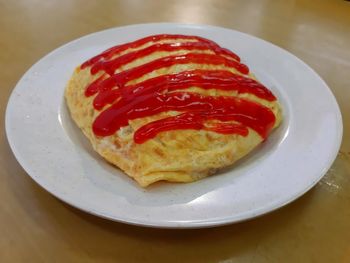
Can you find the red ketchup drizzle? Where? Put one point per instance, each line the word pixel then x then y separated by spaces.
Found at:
pixel 120 79
pixel 111 65
pixel 202 108
pixel 138 43
pixel 205 79
pixel 183 121
pixel 121 102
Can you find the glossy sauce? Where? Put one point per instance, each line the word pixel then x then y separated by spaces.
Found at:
pixel 109 53
pixel 120 79
pixel 205 79
pixel 111 65
pixel 120 102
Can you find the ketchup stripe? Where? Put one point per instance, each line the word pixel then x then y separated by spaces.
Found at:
pixel 138 43
pixel 205 79
pixel 193 121
pixel 120 79
pixel 221 114
pixel 114 64
pixel 221 108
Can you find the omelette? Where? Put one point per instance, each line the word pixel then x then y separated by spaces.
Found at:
pixel 171 108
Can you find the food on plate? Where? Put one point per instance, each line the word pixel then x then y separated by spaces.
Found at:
pixel 170 107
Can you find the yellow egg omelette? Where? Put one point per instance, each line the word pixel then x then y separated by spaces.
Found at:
pixel 171 108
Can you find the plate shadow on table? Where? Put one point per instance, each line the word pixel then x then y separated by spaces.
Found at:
pixel 71 225
pixel 243 237
pixel 219 243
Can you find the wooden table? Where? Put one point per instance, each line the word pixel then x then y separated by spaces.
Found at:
pixel 36 227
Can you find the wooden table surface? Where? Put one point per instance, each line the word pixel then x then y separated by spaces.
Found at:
pixel 36 227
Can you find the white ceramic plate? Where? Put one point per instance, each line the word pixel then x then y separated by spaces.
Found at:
pixel 57 156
